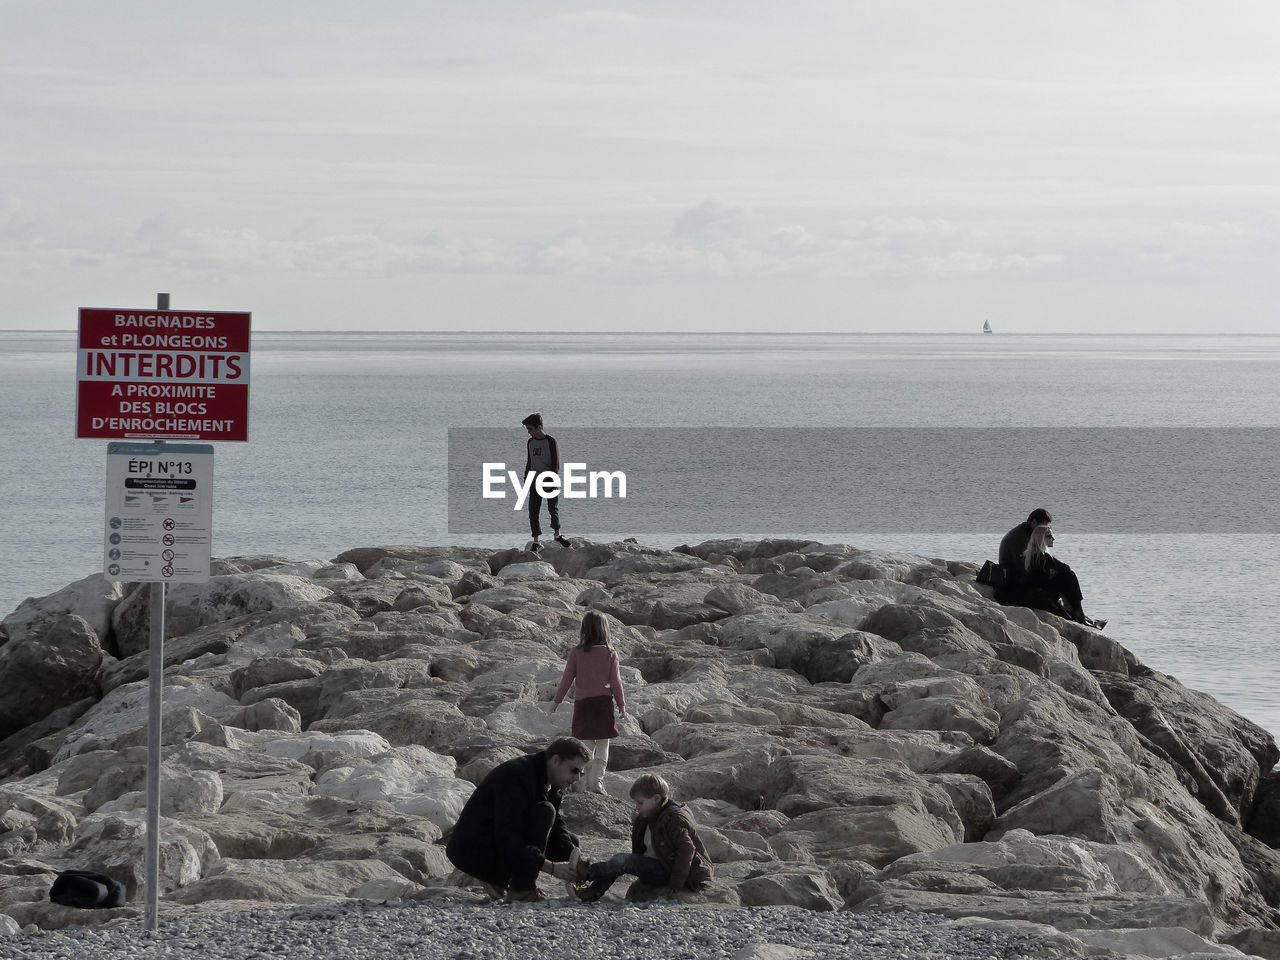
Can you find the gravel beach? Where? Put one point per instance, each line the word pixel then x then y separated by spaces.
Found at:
pixel 443 930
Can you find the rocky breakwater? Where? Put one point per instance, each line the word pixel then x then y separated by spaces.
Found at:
pixel 854 729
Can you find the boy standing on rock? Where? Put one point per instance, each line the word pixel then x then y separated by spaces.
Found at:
pixel 665 847
pixel 510 829
pixel 542 457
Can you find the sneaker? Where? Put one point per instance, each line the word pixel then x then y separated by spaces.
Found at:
pixel 588 892
pixel 1097 624
pixel 493 891
pixel 581 872
pixel 563 541
pixel 535 547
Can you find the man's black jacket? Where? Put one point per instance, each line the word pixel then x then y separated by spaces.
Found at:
pixel 489 840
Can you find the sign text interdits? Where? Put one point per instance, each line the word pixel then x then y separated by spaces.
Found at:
pixel 163 374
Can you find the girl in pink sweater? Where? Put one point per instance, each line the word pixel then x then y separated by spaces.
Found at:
pixel 593 670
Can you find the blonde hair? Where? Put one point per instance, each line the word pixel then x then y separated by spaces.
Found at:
pixel 1036 547
pixel 594 631
pixel 651 785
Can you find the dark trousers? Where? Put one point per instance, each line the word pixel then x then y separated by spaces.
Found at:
pixel 515 870
pixel 535 508
pixel 1058 591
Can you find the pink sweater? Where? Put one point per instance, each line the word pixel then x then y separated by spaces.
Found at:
pixel 596 673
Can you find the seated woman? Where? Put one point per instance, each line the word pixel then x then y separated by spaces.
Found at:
pixel 1046 583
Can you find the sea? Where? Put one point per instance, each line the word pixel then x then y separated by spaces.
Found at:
pixel 351 436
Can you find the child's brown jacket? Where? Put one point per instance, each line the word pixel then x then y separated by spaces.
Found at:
pixel 676 844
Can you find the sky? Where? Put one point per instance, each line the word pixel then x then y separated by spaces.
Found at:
pixel 892 166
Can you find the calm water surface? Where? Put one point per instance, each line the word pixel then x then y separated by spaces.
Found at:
pixel 347 448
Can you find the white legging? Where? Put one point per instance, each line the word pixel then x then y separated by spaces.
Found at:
pixel 599 750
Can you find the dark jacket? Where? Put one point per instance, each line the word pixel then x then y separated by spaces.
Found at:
pixel 1012 546
pixel 676 844
pixel 489 841
pixel 1046 570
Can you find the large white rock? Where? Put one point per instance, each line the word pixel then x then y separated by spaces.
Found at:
pixel 852 602
pixel 411 780
pixel 267 639
pixel 302 568
pixel 54 662
pixel 791 885
pixel 875 834
pixel 189 606
pixel 536 570
pixel 527 720
pixel 357 744
pixel 116 843
pixel 338 571
pixel 403 717
pixel 945 713
pixel 199 793
pixel 243 770
pixel 289 881
pixel 92 599
pixel 543 674
pixel 121 716
pixel 1175 943
pixel 1108 868
pixel 676 698
pixel 196 793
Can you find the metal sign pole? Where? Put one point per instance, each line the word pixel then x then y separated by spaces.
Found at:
pixel 159 503
pixel 154 708
pixel 155 704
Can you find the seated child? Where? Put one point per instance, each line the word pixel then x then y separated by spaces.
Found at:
pixel 665 849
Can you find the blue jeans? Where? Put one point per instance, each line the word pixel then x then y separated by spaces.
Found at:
pixel 646 869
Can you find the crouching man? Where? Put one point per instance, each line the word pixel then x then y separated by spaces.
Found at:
pixel 511 829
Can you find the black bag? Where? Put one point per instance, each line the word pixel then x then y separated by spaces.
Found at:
pixel 991 574
pixel 84 888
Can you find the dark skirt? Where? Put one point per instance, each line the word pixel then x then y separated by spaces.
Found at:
pixel 593 718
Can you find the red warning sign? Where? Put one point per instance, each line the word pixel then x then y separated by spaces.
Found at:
pixel 162 374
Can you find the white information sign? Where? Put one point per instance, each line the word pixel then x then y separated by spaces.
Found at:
pixel 159 512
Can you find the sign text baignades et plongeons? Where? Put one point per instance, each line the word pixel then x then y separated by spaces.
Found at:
pixel 163 374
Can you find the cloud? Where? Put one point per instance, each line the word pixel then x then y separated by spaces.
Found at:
pixel 244 250
pixel 571 254
pixel 717 240
pixel 711 240
pixel 709 222
pixel 609 19
pixel 15 224
pixel 976 263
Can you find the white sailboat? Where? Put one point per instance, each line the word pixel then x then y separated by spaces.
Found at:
pixel 986 326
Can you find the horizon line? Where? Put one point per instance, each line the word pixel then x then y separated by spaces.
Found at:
pixel 720 333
